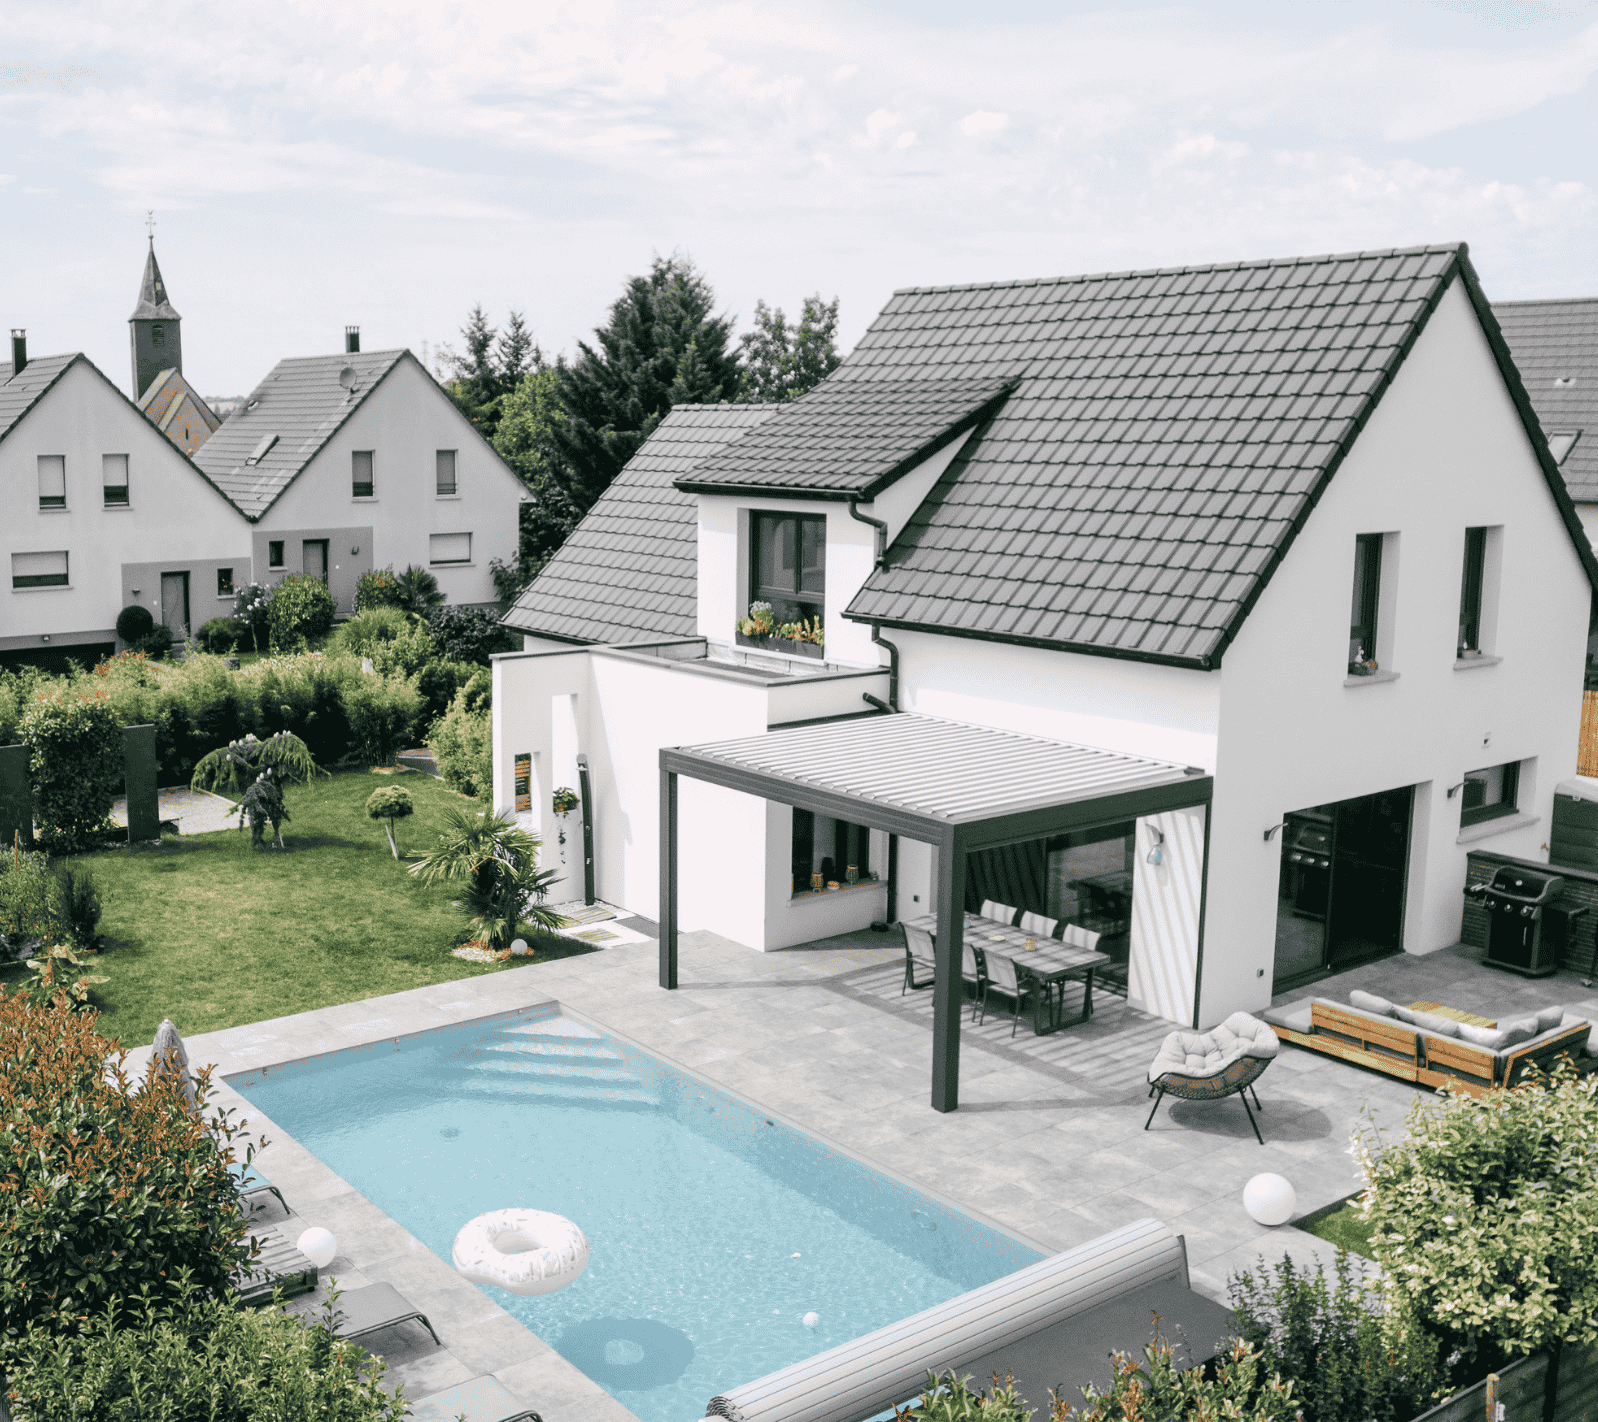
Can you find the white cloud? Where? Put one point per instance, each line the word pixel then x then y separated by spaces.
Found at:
pixel 905 139
pixel 844 71
pixel 880 123
pixel 983 121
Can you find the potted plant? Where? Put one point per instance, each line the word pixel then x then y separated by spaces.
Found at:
pixel 761 629
pixel 565 800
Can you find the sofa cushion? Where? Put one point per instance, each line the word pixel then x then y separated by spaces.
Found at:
pixel 1590 1046
pixel 1520 1029
pixel 1428 1022
pixel 1369 1002
pixel 1495 1039
pixel 1549 1017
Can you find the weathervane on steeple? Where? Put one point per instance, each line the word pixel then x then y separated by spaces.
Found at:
pixel 149 223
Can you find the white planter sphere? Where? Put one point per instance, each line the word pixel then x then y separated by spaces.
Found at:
pixel 1270 1199
pixel 518 946
pixel 318 1245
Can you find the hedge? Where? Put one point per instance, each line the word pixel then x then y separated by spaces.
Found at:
pixel 76 766
pixel 301 610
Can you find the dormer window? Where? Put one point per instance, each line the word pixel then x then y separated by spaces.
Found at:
pixel 788 565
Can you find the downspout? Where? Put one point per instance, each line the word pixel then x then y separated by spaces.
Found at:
pixel 891 704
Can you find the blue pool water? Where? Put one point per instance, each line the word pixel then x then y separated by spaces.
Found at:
pixel 712 1231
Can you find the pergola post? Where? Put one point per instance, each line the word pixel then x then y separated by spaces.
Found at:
pixel 948 996
pixel 668 879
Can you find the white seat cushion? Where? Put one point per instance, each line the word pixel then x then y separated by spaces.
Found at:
pixel 1201 1054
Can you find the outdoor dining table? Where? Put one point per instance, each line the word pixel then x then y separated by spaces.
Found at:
pixel 1052 963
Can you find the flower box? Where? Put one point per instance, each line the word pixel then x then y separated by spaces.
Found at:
pixel 773 643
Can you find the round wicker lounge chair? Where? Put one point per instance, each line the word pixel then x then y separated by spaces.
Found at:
pixel 1207 1066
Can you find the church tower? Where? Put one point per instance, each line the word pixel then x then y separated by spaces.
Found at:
pixel 157 343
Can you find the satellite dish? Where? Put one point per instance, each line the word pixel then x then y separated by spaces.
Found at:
pixel 346 377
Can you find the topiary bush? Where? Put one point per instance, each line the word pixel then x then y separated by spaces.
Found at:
pixel 231 769
pixel 133 622
pixel 468 634
pixel 76 765
pixel 390 803
pixel 301 611
pixel 377 588
pixel 200 1358
pixel 109 1196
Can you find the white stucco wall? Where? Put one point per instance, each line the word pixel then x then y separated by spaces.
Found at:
pixel 405 421
pixel 1445 450
pixel 174 518
pixel 1166 897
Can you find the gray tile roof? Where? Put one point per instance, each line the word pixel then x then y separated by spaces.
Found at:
pixel 301 403
pixel 630 570
pixel 1171 431
pixel 153 303
pixel 848 438
pixel 1557 341
pixel 19 393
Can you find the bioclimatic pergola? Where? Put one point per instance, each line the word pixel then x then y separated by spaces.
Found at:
pixel 957 787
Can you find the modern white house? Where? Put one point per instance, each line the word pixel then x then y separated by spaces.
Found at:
pixel 336 464
pixel 1219 609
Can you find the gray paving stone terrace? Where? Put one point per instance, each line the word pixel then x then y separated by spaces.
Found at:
pixel 1048 1142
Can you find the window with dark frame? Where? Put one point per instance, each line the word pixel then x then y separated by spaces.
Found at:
pixel 788 565
pixel 52 481
pixel 114 480
pixel 274 553
pixel 1367 597
pixel 1489 794
pixel 224 582
pixel 361 474
pixel 444 470
pixel 1470 592
pixel 826 849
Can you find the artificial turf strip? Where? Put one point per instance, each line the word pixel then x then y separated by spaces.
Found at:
pixel 206 931
pixel 1340 1224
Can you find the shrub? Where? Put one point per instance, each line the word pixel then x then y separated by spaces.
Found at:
pixel 76 766
pixel 1349 1357
pixel 1236 1386
pixel 233 768
pixel 134 621
pixel 418 591
pixel 200 1358
pixel 80 908
pixel 382 715
pixel 468 634
pixel 50 981
pixel 108 1196
pixel 499 861
pixel 30 901
pixel 221 635
pixel 947 1398
pixel 436 684
pixel 155 644
pixel 250 606
pixel 1485 1216
pixel 263 805
pixel 366 631
pixel 301 610
pixel 377 588
pixel 462 740
pixel 390 802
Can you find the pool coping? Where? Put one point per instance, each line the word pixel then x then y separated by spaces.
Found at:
pixel 479 1336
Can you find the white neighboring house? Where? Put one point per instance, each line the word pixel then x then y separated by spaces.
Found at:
pixel 101 509
pixel 343 463
pixel 1290 524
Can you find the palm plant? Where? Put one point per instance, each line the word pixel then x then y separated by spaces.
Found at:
pixel 500 860
pixel 416 590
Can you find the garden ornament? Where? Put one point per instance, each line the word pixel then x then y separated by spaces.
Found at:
pixel 1270 1199
pixel 172 1060
pixel 318 1245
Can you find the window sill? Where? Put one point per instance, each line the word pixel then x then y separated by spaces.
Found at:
pixel 363 498
pixel 447 498
pixel 1374 679
pixel 47 587
pixel 54 508
pixel 117 508
pixel 468 564
pixel 1471 663
pixel 805 895
pixel 1501 825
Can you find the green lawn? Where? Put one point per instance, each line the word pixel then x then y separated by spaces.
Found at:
pixel 1339 1224
pixel 212 934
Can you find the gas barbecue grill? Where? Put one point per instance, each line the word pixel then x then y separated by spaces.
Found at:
pixel 1525 932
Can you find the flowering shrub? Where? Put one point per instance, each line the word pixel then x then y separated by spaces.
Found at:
pixel 1485 1215
pixel 76 765
pixel 250 606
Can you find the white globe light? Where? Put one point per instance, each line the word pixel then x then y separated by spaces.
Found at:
pixel 518 946
pixel 1270 1199
pixel 318 1245
pixel 811 1320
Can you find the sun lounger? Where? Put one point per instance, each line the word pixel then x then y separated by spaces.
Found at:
pixel 375 1307
pixel 252 1183
pixel 484 1399
pixel 280 1265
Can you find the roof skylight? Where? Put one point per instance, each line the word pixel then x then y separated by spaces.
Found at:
pixel 1560 444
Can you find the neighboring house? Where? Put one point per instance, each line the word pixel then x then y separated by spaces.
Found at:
pixel 173 407
pixel 1289 528
pixel 101 509
pixel 343 463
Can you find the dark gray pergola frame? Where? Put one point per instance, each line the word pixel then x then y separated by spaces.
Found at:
pixel 953 840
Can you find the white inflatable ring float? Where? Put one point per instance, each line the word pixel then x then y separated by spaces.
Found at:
pixel 521 1251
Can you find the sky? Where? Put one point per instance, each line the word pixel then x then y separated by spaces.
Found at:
pixel 316 165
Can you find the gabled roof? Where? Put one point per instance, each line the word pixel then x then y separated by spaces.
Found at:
pixel 298 406
pixel 153 304
pixel 1171 432
pixel 164 398
pixel 848 439
pixel 20 393
pixel 1555 345
pixel 630 570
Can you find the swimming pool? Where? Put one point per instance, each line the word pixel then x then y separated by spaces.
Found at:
pixel 713 1230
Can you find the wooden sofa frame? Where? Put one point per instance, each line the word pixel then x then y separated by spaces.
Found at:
pixel 1388 1045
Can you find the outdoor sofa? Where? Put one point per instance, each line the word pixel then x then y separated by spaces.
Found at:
pixel 1432 1050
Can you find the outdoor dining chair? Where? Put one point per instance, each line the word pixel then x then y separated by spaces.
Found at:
pixel 974 970
pixel 1015 983
pixel 1003 913
pixel 1073 935
pixel 918 953
pixel 1038 925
